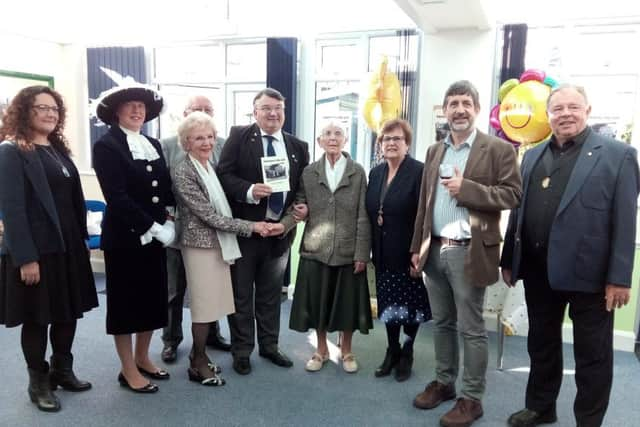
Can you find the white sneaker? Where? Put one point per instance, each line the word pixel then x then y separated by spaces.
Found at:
pixel 316 362
pixel 349 363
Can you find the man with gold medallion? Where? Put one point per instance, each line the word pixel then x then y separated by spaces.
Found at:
pixel 572 241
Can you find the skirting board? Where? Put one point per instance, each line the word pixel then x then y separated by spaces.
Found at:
pixel 622 340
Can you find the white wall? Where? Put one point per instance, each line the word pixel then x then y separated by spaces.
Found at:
pixel 446 57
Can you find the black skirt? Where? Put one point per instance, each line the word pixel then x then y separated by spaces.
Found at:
pixel 137 298
pixel 330 298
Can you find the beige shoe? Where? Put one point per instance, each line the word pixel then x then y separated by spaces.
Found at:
pixel 316 362
pixel 349 363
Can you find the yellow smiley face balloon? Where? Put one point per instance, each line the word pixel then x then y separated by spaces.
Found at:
pixel 523 112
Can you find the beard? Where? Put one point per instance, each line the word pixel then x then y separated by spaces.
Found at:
pixel 461 126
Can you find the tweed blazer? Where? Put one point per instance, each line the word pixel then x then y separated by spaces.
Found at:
pixel 199 220
pixel 491 182
pixel 337 231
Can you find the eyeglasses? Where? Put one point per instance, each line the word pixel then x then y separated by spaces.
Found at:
pixel 269 109
pixel 44 109
pixel 388 138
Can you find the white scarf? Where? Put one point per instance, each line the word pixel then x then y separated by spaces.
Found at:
pixel 139 145
pixel 228 241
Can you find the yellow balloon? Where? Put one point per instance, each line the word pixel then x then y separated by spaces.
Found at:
pixel 384 98
pixel 523 112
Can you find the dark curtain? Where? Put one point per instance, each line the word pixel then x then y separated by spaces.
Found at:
pixel 282 74
pixel 126 61
pixel 513 51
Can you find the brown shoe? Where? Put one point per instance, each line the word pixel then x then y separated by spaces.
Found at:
pixel 434 394
pixel 463 414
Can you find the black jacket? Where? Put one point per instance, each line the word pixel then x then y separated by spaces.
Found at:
pixel 31 222
pixel 137 192
pixel 391 242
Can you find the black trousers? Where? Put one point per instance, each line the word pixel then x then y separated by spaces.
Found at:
pixel 257 280
pixel 592 348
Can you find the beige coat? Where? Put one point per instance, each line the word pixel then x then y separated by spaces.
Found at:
pixel 198 219
pixel 491 183
pixel 337 231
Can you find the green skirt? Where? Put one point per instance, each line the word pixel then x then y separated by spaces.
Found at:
pixel 330 298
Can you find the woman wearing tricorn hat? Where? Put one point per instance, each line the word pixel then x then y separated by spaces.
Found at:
pixel 137 226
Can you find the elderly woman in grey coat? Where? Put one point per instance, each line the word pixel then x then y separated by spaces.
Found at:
pixel 331 288
pixel 207 239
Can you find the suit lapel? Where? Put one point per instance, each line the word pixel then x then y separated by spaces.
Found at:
pixel 433 171
pixel 35 173
pixel 476 156
pixel 255 142
pixel 587 159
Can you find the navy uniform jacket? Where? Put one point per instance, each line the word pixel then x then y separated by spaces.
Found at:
pixel 592 238
pixel 137 192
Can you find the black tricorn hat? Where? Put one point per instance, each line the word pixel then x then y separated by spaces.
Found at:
pixel 129 90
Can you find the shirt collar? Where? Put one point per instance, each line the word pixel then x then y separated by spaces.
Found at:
pixel 338 164
pixel 578 140
pixel 128 132
pixel 276 136
pixel 469 141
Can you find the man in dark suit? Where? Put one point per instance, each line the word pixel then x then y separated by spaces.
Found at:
pixel 572 241
pixel 262 266
pixel 172 333
pixel 456 243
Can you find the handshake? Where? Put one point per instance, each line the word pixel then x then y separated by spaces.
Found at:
pixel 268 229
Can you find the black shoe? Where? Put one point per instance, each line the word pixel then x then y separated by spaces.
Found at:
pixel 403 368
pixel 241 365
pixel 218 342
pixel 40 390
pixel 390 360
pixel 529 418
pixel 215 339
pixel 149 388
pixel 169 353
pixel 213 381
pixel 61 374
pixel 277 358
pixel 160 374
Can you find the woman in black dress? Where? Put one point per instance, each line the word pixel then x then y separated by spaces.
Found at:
pixel 392 203
pixel 45 273
pixel 137 226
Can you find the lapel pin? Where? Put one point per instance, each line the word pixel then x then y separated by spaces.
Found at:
pixel 589 153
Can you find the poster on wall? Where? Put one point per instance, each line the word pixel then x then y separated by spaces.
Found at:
pixel 11 82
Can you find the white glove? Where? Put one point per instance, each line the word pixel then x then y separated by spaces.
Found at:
pixel 165 233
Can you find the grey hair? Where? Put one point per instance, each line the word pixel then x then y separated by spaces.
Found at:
pixel 195 120
pixel 577 88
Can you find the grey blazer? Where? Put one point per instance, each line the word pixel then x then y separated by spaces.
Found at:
pixel 337 230
pixel 199 220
